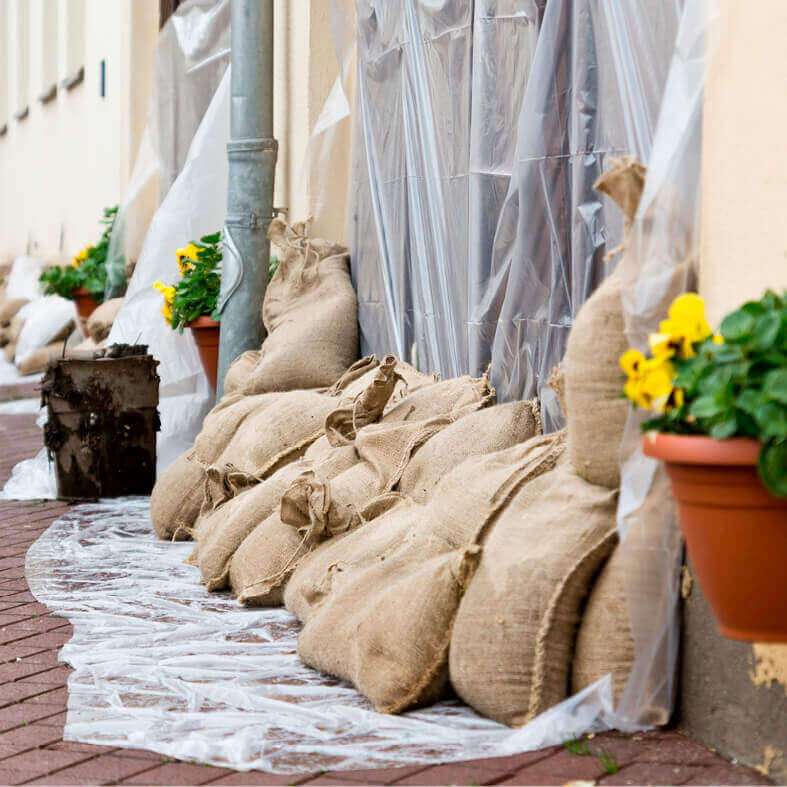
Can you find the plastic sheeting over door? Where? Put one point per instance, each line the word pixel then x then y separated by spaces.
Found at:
pixel 475 232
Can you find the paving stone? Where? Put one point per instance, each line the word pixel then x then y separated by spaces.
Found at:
pixel 728 774
pixel 453 773
pixel 559 768
pixel 35 734
pixel 83 748
pixel 10 776
pixel 263 779
pixel 23 713
pixel 39 762
pixel 376 775
pixel 98 770
pixel 656 773
pixel 178 773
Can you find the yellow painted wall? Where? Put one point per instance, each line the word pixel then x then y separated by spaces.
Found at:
pixel 744 180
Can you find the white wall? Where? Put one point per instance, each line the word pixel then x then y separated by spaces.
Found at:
pixel 71 157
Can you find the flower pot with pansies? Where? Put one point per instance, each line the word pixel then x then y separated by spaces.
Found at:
pixel 720 427
pixel 191 303
pixel 85 280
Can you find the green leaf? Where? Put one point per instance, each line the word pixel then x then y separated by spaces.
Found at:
pixel 738 326
pixel 766 329
pixel 772 467
pixel 774 385
pixel 772 420
pixel 724 429
pixel 750 400
pixel 706 407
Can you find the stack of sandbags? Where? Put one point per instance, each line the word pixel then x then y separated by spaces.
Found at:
pixel 310 313
pixel 257 435
pixel 317 507
pixel 100 322
pixel 379 603
pixel 236 502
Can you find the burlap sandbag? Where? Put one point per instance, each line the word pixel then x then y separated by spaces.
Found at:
pixel 342 425
pixel 463 501
pixel 484 432
pixel 390 597
pixel 451 398
pixel 99 324
pixel 9 307
pixel 177 497
pixel 593 385
pixel 597 340
pixel 38 360
pixel 514 632
pixel 310 313
pixel 240 370
pixel 9 351
pixel 605 644
pixel 387 630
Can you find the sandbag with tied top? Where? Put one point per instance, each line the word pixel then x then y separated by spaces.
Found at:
pixel 310 313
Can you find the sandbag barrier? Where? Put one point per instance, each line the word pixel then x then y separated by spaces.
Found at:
pixel 428 539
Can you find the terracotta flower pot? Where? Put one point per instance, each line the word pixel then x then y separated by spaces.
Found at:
pixel 84 302
pixel 735 531
pixel 206 334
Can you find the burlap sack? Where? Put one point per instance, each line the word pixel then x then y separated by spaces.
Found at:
pixel 240 370
pixel 484 432
pixel 594 383
pixel 310 313
pixel 388 630
pixel 342 425
pixel 179 491
pixel 99 324
pixel 9 351
pixel 38 360
pixel 9 307
pixel 255 434
pixel 514 632
pixel 605 644
pixel 593 380
pixel 392 606
pixel 450 398
pixel 177 498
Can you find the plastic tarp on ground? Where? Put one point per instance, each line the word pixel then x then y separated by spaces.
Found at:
pixel 164 665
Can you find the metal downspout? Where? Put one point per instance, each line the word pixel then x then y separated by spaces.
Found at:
pixel 251 152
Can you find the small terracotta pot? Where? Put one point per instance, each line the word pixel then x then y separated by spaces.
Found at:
pixel 84 302
pixel 206 334
pixel 735 531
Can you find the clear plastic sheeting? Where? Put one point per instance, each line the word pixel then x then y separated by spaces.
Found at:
pixel 192 55
pixel 476 233
pixel 660 263
pixel 194 206
pixel 45 318
pixel 162 664
pixel 22 281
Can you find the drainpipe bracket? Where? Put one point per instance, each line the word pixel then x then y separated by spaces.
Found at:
pixel 262 145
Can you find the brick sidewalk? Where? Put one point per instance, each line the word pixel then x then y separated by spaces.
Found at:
pixel 33 699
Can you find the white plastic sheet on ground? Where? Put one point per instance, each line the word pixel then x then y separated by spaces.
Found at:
pixel 9 374
pixel 162 664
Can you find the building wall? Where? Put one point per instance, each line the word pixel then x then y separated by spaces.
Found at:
pixel 71 156
pixel 734 694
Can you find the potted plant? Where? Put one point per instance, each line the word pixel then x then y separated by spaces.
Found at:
pixel 191 303
pixel 84 281
pixel 721 428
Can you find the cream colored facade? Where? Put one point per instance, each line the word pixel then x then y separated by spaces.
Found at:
pixel 73 154
pixel 744 166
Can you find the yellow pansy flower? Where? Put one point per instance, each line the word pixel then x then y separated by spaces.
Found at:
pixel 650 380
pixel 186 255
pixel 685 325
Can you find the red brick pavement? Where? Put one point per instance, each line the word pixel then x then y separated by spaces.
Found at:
pixel 33 699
